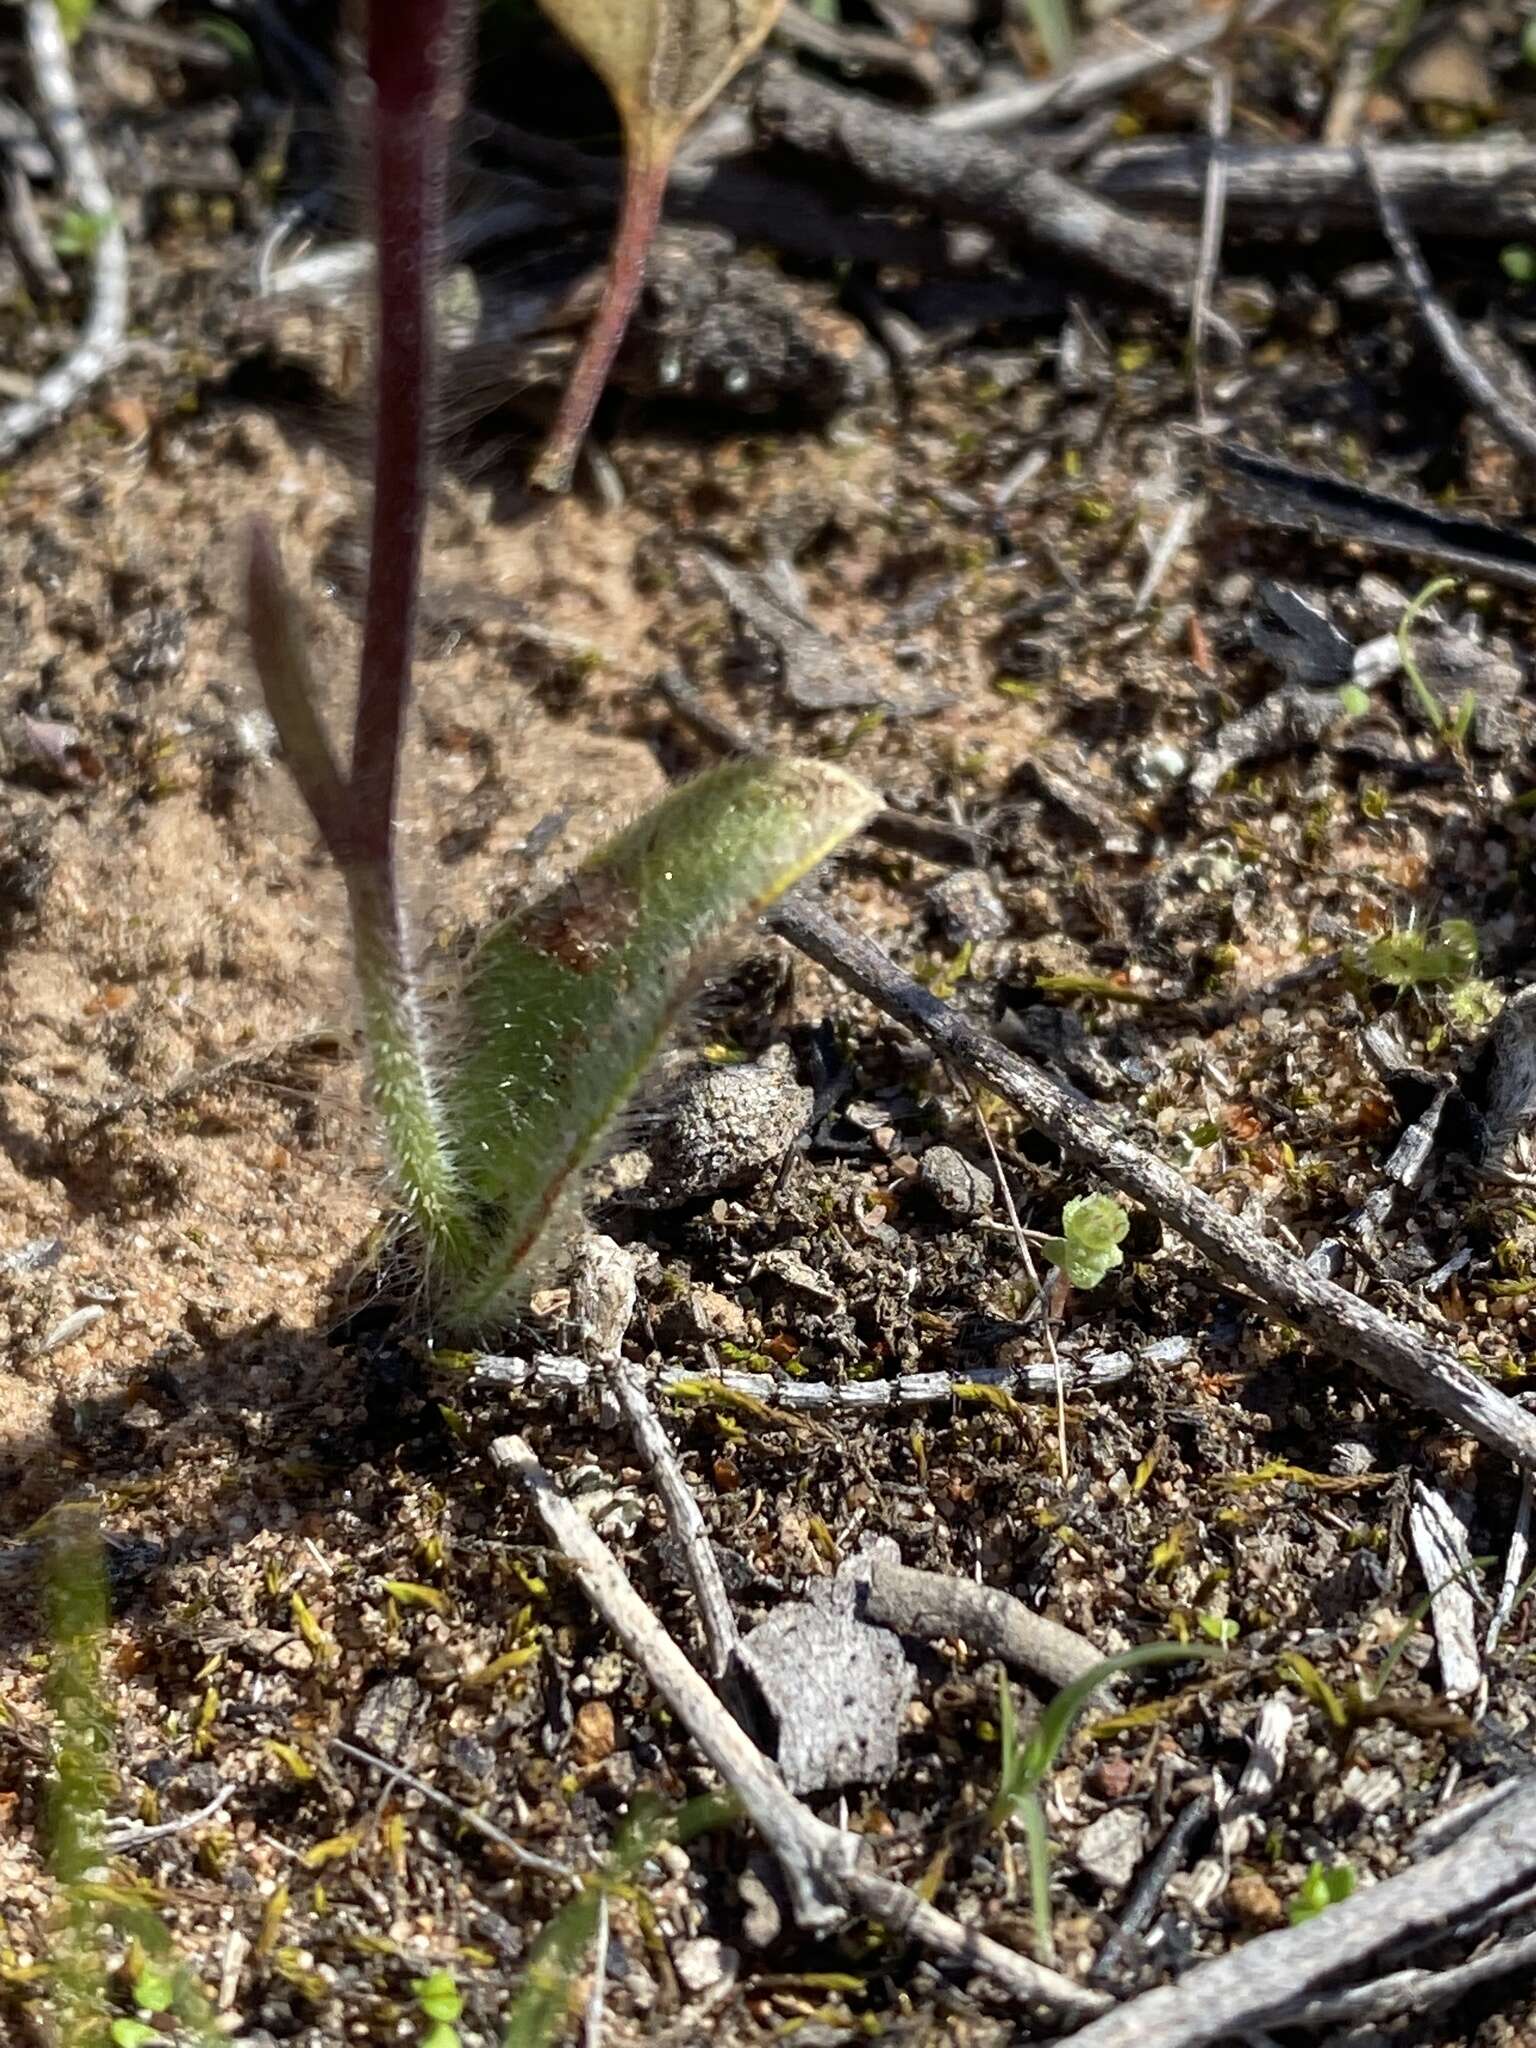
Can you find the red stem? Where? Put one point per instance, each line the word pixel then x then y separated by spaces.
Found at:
pixel 415 50
pixel 645 185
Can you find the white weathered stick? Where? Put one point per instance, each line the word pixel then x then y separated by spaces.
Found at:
pixel 603 1304
pixel 814 1857
pixel 1257 1985
pixel 1416 1991
pixel 819 1862
pixel 101 339
pixel 547 1374
pixel 1414 1365
pixel 1514 1565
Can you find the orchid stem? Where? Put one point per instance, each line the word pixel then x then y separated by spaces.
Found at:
pixel 645 185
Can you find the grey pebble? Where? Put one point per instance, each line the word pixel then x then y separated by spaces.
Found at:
pixel 966 908
pixel 960 1189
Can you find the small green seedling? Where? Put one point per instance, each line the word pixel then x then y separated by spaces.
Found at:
pixel 540 2011
pixel 1092 1228
pixel 94 1917
pixel 1324 1885
pixel 1025 1765
pixel 1450 727
pixel 493 1114
pixel 441 2007
pixel 1411 957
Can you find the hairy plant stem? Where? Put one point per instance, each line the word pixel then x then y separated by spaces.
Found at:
pixel 645 185
pixel 415 55
pixel 415 50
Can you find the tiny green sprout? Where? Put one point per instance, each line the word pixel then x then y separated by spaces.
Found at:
pixel 78 233
pixel 1353 701
pixel 1430 956
pixel 1092 1228
pixel 1452 728
pixel 1025 1762
pixel 441 2007
pixel 127 2033
pixel 1324 1885
pixel 1221 1628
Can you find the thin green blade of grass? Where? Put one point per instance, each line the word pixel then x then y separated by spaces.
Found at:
pixel 542 2005
pixel 1045 1742
pixel 567 1002
pixel 1052 23
pixel 75 1606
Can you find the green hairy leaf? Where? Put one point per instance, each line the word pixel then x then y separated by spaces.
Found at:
pixel 567 1002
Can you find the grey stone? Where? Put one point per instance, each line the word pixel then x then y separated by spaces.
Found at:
pixel 723 1125
pixel 384 1715
pixel 1110 1849
pixel 966 908
pixel 836 1691
pixel 960 1189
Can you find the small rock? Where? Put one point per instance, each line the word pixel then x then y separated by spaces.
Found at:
pixel 593 1733
pixel 1298 636
pixel 836 1691
pixel 470 1761
pixel 1110 1849
pixel 385 1713
pixel 1450 72
pixel 967 909
pixel 1379 603
pixel 705 1964
pixel 960 1189
pixel 1158 767
pixel 723 1125
pixel 1349 1457
pixel 791 1270
pixel 1111 1777
pixel 764 1901
pixel 156 649
pixel 1256 1902
pixel 703 1312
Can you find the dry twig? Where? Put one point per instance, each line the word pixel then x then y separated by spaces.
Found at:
pixel 931 1605
pixel 965 179
pixel 1503 413
pixel 101 339
pixel 1262 1983
pixel 819 1862
pixel 603 1302
pixel 546 1374
pixel 1484 187
pixel 1092 79
pixel 1414 1365
pixel 466 1816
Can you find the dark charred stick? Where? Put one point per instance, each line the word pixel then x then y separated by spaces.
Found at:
pixel 1501 410
pixel 1279 494
pixel 1416 1365
pixel 961 178
pixel 1485 189
pixel 1151 1881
